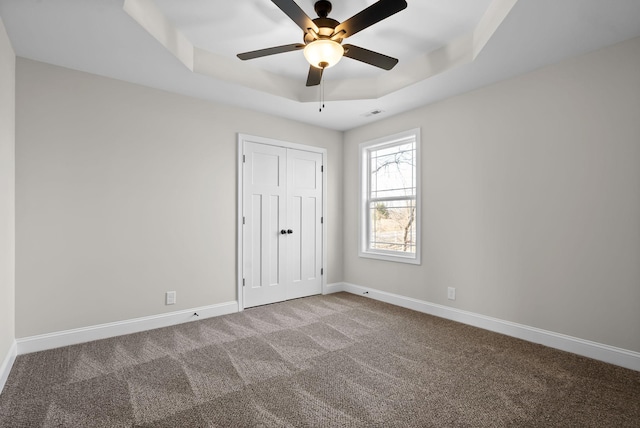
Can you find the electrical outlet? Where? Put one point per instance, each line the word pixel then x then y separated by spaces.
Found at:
pixel 171 298
pixel 451 293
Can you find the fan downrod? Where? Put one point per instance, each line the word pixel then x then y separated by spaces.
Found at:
pixel 322 8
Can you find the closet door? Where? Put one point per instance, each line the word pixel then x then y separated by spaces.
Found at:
pixel 264 202
pixel 304 219
pixel 282 230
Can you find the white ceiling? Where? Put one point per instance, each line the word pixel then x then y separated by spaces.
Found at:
pixel 99 36
pixel 240 26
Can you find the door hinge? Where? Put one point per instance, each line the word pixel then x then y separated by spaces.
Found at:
pixel 321 271
pixel 321 168
pixel 321 220
pixel 243 282
pixel 244 158
pixel 243 220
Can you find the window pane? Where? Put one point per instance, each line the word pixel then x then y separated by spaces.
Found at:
pixel 390 198
pixel 393 226
pixel 392 171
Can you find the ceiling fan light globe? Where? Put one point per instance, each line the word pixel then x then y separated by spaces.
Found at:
pixel 323 51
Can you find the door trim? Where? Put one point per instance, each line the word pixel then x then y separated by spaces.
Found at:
pixel 242 138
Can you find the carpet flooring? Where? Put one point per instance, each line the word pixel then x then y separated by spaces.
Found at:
pixel 324 361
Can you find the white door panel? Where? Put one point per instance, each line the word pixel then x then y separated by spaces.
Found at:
pixel 304 190
pixel 264 198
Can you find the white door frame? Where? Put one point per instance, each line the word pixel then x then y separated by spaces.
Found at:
pixel 242 138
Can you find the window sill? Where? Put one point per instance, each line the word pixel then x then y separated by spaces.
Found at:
pixel 414 260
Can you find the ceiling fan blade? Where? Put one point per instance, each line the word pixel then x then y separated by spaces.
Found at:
pixel 315 76
pixel 370 57
pixel 375 13
pixel 270 51
pixel 293 11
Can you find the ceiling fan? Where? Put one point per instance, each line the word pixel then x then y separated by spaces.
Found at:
pixel 323 36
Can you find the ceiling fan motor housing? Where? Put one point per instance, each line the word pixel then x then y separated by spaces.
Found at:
pixel 325 30
pixel 325 24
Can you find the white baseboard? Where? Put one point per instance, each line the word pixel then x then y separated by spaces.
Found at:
pixel 598 351
pixel 586 348
pixel 87 334
pixel 7 364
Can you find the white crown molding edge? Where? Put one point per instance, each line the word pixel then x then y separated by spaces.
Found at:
pixel 461 50
pixel 103 331
pixel 151 18
pixel 586 348
pixel 7 364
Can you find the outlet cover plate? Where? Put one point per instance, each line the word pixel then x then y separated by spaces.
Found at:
pixel 451 293
pixel 171 298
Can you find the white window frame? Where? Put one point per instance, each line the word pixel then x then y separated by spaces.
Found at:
pixel 365 176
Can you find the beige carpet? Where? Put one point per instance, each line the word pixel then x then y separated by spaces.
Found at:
pixel 339 360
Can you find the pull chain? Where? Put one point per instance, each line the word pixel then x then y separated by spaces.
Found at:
pixel 321 89
pixel 320 96
pixel 322 83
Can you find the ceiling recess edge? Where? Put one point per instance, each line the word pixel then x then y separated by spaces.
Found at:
pixel 461 50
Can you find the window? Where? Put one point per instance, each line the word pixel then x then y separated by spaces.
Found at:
pixel 390 208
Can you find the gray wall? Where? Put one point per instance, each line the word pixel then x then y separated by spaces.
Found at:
pixel 530 194
pixel 7 192
pixel 531 200
pixel 124 192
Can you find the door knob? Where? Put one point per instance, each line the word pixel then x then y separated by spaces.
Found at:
pixel 289 231
pixel 283 232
